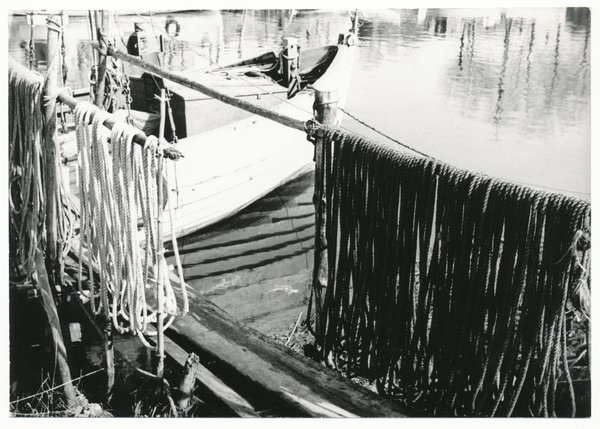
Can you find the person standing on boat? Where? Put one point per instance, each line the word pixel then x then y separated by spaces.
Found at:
pixel 136 45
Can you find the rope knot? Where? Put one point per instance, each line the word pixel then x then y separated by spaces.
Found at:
pixel 313 129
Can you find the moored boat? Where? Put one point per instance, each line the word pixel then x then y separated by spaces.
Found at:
pixel 229 166
pixel 233 157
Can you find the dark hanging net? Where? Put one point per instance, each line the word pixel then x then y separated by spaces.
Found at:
pixel 449 288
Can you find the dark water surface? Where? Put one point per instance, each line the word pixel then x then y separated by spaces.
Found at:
pixel 505 92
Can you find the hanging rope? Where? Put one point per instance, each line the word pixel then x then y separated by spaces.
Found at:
pixel 448 288
pixel 26 193
pixel 26 176
pixel 117 189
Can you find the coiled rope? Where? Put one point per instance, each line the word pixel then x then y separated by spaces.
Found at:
pixel 116 189
pixel 449 288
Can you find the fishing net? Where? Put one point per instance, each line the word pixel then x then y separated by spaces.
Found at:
pixel 446 288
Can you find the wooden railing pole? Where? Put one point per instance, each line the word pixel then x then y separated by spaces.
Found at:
pixel 233 101
pixel 139 138
pixel 51 151
pixel 48 267
pixel 326 114
pixel 160 254
pixel 104 27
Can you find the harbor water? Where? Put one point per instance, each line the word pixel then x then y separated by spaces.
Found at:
pixel 504 92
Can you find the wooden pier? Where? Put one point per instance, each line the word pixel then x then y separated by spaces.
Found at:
pixel 303 384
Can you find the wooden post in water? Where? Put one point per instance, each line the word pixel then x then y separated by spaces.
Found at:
pixel 188 382
pixel 326 113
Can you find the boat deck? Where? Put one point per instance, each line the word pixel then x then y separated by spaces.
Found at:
pixel 195 113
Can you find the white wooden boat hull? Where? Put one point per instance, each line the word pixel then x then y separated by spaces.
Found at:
pixel 227 169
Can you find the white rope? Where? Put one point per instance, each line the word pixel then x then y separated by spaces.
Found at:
pixel 114 194
pixel 28 184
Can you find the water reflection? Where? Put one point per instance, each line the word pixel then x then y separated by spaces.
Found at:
pixel 523 66
pixel 464 85
pixel 496 48
pixel 479 88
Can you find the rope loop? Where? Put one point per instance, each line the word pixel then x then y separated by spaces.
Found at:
pixel 152 143
pixel 117 190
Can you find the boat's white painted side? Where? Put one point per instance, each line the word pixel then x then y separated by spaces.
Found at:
pixel 227 169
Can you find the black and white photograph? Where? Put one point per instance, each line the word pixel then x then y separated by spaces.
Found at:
pixel 334 210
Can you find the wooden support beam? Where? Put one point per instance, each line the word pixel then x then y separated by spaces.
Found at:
pixel 51 154
pixel 48 266
pixel 325 113
pixel 298 381
pixel 64 372
pixel 102 21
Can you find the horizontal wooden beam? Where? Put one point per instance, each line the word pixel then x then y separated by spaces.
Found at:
pixel 227 395
pixel 139 138
pixel 189 83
